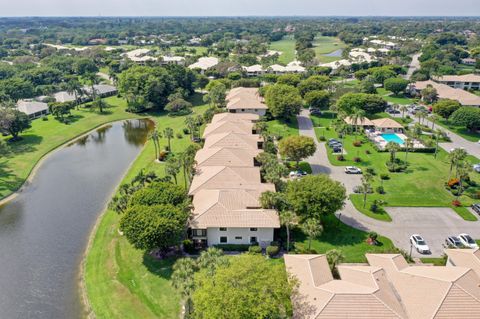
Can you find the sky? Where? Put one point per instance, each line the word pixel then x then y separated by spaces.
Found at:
pixel 240 7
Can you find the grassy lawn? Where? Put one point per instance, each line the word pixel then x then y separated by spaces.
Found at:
pixel 123 282
pixel 337 235
pixel 434 261
pixel 45 136
pixel 287 47
pixel 389 97
pixel 325 45
pixel 422 184
pixel 460 130
pixel 282 128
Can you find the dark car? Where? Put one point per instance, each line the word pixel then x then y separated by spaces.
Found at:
pixel 476 208
pixel 453 242
pixel 337 149
pixel 315 112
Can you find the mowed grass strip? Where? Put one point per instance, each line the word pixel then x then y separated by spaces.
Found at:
pixel 121 281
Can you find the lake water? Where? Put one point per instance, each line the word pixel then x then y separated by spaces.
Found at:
pixel 337 53
pixel 44 230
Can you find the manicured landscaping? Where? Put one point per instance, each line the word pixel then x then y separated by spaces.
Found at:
pixel 434 261
pixel 325 45
pixel 45 136
pixel 389 97
pixel 337 235
pixel 282 128
pixel 422 184
pixel 460 130
pixel 287 47
pixel 120 280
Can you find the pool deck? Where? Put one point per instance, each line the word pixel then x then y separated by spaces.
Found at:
pixel 381 142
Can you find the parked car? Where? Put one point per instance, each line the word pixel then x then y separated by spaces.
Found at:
pixel 315 112
pixel 353 170
pixel 476 208
pixel 453 242
pixel 467 241
pixel 336 145
pixel 476 168
pixel 337 149
pixel 419 243
pixel 298 173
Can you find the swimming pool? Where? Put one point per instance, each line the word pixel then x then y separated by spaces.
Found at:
pixel 391 137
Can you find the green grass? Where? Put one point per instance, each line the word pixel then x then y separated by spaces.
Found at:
pixel 337 235
pixel 460 130
pixel 380 214
pixel 283 128
pixel 287 47
pixel 421 185
pixel 199 50
pixel 434 261
pixel 324 45
pixel 389 97
pixel 45 136
pixel 123 282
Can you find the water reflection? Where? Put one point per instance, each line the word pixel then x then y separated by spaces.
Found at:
pixel 43 231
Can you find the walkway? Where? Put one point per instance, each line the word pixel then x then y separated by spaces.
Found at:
pixel 435 224
pixel 414 65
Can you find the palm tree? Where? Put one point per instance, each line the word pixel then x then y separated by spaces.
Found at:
pixel 366 186
pixel 455 157
pixel 211 258
pixel 74 87
pixel 190 122
pixel 92 79
pixel 463 169
pixel 357 116
pixel 313 229
pixel 408 145
pixel 288 219
pixel 172 168
pixel 168 133
pixel 392 148
pixel 422 115
pixel 438 133
pixel 433 119
pixel 155 137
pixel 403 109
pixel 334 257
pixel 182 279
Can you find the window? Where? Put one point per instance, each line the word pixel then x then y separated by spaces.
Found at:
pixel 238 237
pixel 243 110
pixel 199 232
pixel 223 229
pixel 253 229
pixel 223 240
pixel 253 240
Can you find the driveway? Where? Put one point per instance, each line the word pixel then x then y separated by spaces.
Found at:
pixel 414 65
pixel 434 223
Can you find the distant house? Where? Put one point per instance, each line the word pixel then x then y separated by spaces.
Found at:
pixel 464 82
pixel 469 61
pixel 254 70
pixel 97 41
pixel 446 92
pixel 102 90
pixel 204 63
pixel 64 96
pixel 33 109
pixel 140 56
pixel 292 67
pixel 365 122
pixel 245 100
pixel 178 60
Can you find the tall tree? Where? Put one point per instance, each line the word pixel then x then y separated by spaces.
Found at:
pixel 366 186
pixel 288 219
pixel 12 121
pixel 172 167
pixel 168 134
pixel 312 228
pixel 297 148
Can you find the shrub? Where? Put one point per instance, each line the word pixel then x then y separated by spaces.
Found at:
pixel 186 131
pixel 357 189
pixel 322 138
pixel 340 158
pixel 179 135
pixel 254 250
pixel 456 203
pixel 233 247
pixel 272 251
pixel 188 246
pixel 454 182
pixel 357 159
pixel 357 143
pixel 384 177
pixel 367 152
pixel 304 250
pixel 397 166
pixel 380 190
pixel 371 171
pixel 44 118
pixel 373 235
pixel 162 156
pixel 374 207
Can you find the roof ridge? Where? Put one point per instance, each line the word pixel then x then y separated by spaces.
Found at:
pixel 387 306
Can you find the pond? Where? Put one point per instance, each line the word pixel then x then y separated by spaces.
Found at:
pixel 337 53
pixel 45 229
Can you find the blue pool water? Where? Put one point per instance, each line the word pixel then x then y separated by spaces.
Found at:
pixel 393 138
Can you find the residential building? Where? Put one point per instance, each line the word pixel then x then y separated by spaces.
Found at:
pixel 226 127
pixel 102 90
pixel 446 92
pixel 64 96
pixel 234 140
pixel 204 63
pixel 292 67
pixel 33 109
pixel 178 60
pixel 387 125
pixel 464 82
pixel 245 100
pixel 365 122
pixel 232 217
pixel 386 287
pixel 230 157
pixel 235 117
pixel 140 56
pixel 254 70
pixel 469 61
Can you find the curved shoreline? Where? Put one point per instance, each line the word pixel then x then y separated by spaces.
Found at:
pixel 82 284
pixel 39 162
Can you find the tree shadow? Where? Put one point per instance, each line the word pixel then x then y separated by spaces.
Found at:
pixel 26 143
pixel 159 267
pixel 9 181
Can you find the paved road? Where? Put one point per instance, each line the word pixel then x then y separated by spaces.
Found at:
pixel 414 65
pixel 433 223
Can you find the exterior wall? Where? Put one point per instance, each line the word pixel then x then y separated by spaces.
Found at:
pixel 254 111
pixel 463 85
pixel 264 236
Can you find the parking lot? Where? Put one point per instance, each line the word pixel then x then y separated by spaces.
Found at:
pixel 434 224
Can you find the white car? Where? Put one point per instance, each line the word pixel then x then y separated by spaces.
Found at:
pixel 419 243
pixel 476 168
pixel 467 241
pixel 353 170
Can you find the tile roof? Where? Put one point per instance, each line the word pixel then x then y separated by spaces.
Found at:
pixel 235 117
pixel 364 122
pixel 233 140
pixel 459 78
pixel 31 107
pixel 244 98
pixel 204 63
pixel 242 127
pixel 446 92
pixel 226 157
pixel 386 123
